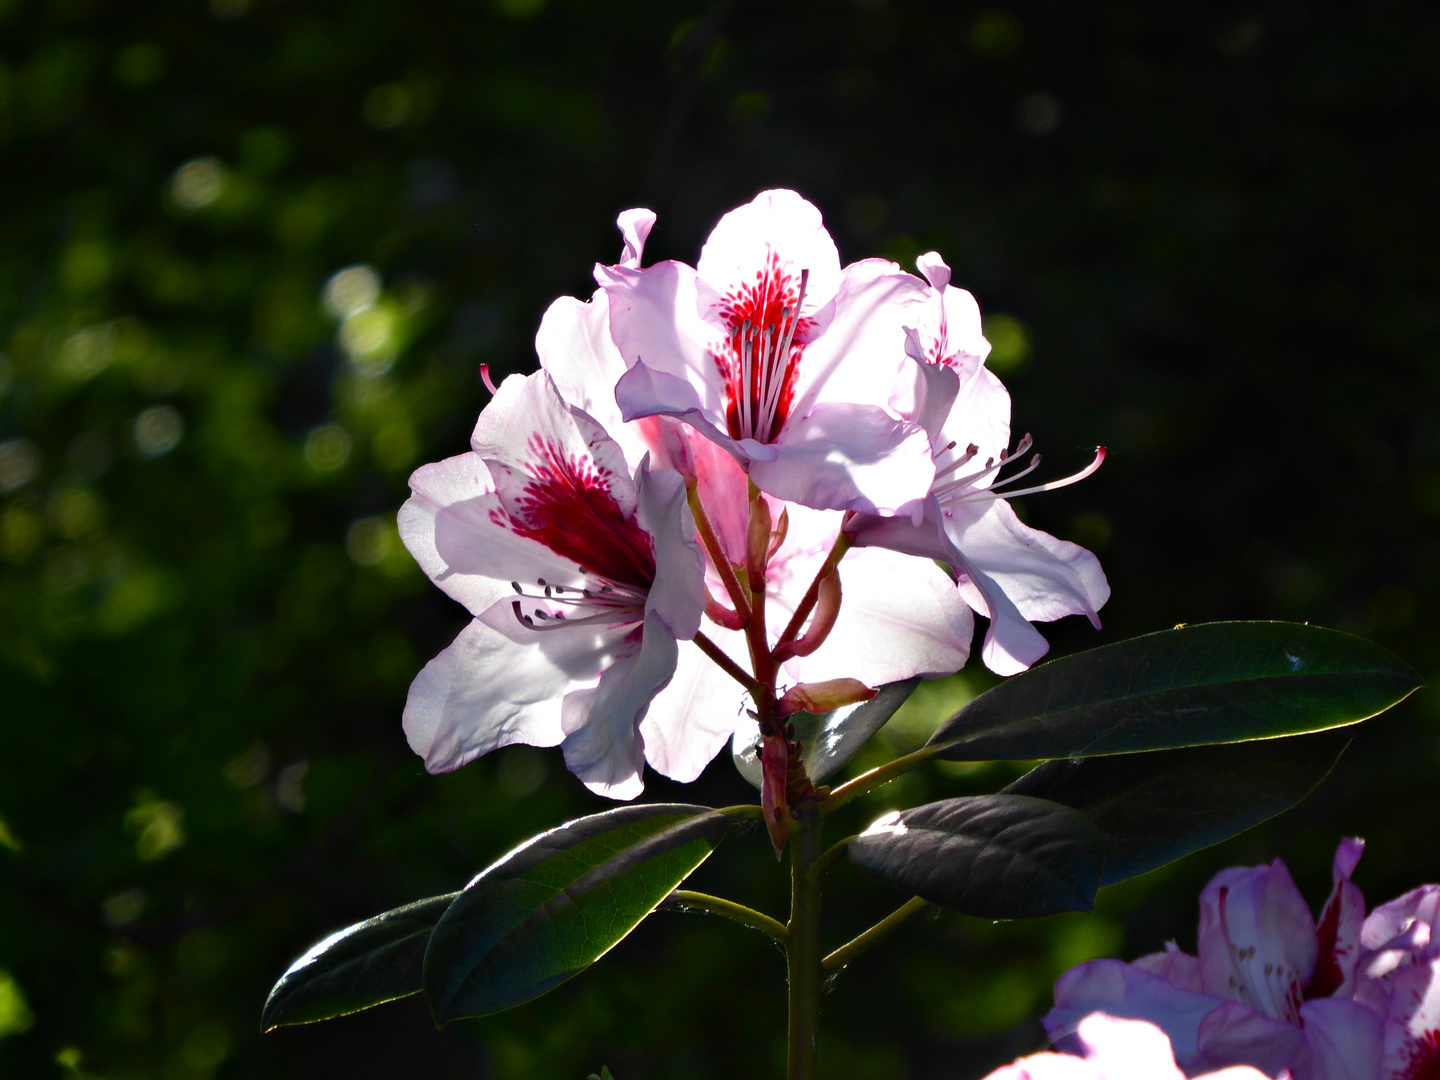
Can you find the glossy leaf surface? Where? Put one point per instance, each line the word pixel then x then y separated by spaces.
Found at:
pixel 559 902
pixel 374 961
pixel 1191 686
pixel 830 739
pixel 993 856
pixel 1155 808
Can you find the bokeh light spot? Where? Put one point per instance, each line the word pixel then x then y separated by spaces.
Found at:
pixel 158 826
pixel 1009 343
pixel 327 448
pixel 19 464
pixel 158 430
pixel 996 33
pixel 369 540
pixel 15 1014
pixel 198 183
pixel 123 908
pixel 351 290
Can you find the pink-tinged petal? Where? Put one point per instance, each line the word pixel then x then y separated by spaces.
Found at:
pixel 980 417
pixel 1048 1067
pixel 692 719
pixel 1342 1040
pixel 860 358
pixel 900 617
pixel 948 326
pixel 654 319
pixel 1127 1049
pixel 602 744
pixel 1257 941
pixel 1044 577
pixel 677 594
pixel 927 396
pixel 1121 990
pixel 1408 922
pixel 725 494
pixel 936 272
pixel 1338 928
pixel 635 226
pixel 576 350
pixel 924 538
pixel 644 391
pixel 488 690
pixel 777 232
pixel 849 457
pixel 1178 968
pixel 1011 643
pixel 454 526
pixel 1235 1034
pixel 1411 1048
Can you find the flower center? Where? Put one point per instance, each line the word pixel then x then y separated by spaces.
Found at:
pixel 761 357
pixel 1272 988
pixel 1422 1057
pixel 567 506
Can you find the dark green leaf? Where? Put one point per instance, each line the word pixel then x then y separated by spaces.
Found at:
pixel 1191 686
pixel 1155 808
pixel 374 961
pixel 559 902
pixel 829 740
pixel 993 856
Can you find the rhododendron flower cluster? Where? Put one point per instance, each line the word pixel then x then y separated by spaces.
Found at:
pixel 733 491
pixel 1347 997
pixel 1113 1049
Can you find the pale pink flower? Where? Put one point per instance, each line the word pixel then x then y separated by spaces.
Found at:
pixel 581 576
pixel 781 357
pixel 1113 1049
pixel 1010 573
pixel 1398 975
pixel 1269 987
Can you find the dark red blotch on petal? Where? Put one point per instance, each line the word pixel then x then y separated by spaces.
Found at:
pixel 1327 977
pixel 567 506
pixel 1422 1058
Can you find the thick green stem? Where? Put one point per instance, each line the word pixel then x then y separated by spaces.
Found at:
pixel 802 948
pixel 686 900
pixel 872 937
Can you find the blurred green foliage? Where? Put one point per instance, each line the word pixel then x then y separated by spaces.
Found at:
pixel 251 254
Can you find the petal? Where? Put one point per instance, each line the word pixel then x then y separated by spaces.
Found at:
pixel 861 358
pixel 1343 1039
pixel 1338 928
pixel 576 350
pixel 635 226
pixel 900 617
pixel 678 593
pixel 454 526
pixel 776 225
pixel 980 416
pixel 848 457
pixel 692 719
pixel 602 744
pixel 1257 941
pixel 1123 990
pixel 1011 643
pixel 486 691
pixel 1235 1034
pixel 528 431
pixel 1175 967
pixel 1411 1048
pixel 1045 578
pixel 654 319
pixel 1127 1049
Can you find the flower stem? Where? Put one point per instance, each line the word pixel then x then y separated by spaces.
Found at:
pixel 872 937
pixel 802 949
pixel 877 777
pixel 734 670
pixel 739 596
pixel 685 899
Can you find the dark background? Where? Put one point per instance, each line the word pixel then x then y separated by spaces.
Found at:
pixel 1205 236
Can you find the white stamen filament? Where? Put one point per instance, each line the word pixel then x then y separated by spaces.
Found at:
pixel 606 604
pixel 964 489
pixel 764 362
